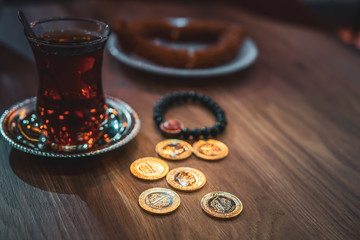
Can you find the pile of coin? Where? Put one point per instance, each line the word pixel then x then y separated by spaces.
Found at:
pixel 163 200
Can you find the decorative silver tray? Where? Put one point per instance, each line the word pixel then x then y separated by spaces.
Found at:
pixel 122 129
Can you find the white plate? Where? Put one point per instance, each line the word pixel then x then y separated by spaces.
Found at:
pixel 246 56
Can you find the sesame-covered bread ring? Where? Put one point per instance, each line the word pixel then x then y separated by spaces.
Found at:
pixel 223 41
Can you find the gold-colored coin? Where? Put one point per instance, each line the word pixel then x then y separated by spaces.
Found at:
pixel 149 168
pixel 221 205
pixel 159 200
pixel 173 149
pixel 210 149
pixel 186 179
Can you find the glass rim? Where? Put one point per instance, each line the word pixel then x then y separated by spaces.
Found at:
pixel 89 42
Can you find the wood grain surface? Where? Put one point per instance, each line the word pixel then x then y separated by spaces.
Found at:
pixel 293 135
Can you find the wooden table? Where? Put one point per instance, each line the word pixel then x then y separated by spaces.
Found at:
pixel 293 135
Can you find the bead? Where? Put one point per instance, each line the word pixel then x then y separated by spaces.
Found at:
pixel 195 133
pixel 200 97
pixel 224 121
pixel 169 100
pixel 167 96
pixel 183 96
pixel 220 117
pixel 161 112
pixel 220 126
pixel 176 96
pixel 171 128
pixel 219 111
pixel 172 125
pixel 206 100
pixel 159 108
pixel 185 133
pixel 212 105
pixel 156 115
pixel 158 120
pixel 204 132
pixel 192 96
pixel 163 103
pixel 213 131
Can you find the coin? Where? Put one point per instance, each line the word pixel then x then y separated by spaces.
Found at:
pixel 186 179
pixel 210 149
pixel 221 205
pixel 149 168
pixel 159 200
pixel 173 149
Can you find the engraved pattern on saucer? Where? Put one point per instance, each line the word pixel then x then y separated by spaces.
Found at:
pixel 186 179
pixel 221 205
pixel 159 200
pixel 119 131
pixel 210 149
pixel 149 168
pixel 173 149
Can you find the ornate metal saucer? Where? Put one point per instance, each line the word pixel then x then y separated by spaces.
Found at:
pixel 20 128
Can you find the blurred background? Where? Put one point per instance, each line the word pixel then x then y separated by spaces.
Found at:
pixel 338 17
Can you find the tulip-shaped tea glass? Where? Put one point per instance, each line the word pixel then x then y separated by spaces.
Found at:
pixel 70 100
pixel 70 117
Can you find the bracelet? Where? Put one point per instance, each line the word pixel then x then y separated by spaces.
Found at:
pixel 174 128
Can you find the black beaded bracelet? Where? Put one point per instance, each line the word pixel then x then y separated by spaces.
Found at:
pixel 174 128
